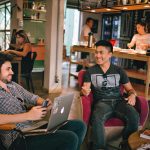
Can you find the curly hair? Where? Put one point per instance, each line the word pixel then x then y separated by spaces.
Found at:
pixel 4 58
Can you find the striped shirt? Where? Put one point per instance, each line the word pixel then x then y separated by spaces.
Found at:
pixel 14 103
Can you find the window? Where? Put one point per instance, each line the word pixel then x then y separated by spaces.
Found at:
pixel 71 28
pixel 5 25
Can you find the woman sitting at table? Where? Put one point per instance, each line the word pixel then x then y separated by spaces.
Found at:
pixel 23 49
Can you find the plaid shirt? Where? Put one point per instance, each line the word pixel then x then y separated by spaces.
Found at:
pixel 13 103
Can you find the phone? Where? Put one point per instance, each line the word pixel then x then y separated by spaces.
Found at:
pixel 45 103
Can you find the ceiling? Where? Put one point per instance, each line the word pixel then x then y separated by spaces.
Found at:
pixel 105 5
pixel 90 4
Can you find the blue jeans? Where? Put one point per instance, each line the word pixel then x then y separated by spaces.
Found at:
pixel 103 111
pixel 68 137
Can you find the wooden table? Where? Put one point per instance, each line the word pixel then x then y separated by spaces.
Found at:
pixel 135 141
pixel 141 89
pixel 7 126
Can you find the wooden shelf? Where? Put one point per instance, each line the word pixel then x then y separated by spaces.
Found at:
pixel 119 8
pixel 35 10
pixel 136 74
pixel 34 20
pixel 133 7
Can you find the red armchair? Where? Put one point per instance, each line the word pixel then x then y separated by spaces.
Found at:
pixel 113 126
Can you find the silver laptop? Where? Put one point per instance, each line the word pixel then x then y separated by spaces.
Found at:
pixel 58 117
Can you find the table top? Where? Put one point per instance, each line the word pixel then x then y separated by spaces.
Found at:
pixel 15 57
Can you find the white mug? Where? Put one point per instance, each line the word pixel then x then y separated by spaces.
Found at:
pixel 124 2
pixel 138 1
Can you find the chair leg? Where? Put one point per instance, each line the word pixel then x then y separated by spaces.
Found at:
pixel 42 78
pixel 27 82
pixel 31 82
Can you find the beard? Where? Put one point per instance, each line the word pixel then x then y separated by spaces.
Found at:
pixel 6 80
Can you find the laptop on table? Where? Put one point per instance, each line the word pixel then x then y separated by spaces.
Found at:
pixel 58 117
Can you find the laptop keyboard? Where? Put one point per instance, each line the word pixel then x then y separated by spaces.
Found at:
pixel 34 126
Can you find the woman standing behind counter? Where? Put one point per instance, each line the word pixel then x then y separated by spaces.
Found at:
pixel 23 49
pixel 142 39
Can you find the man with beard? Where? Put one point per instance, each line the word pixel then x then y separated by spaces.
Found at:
pixel 12 110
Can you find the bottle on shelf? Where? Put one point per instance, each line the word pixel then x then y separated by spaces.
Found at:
pixel 90 39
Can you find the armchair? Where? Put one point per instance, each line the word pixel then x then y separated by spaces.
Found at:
pixel 113 126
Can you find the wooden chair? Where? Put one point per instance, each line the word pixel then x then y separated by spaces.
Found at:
pixel 28 74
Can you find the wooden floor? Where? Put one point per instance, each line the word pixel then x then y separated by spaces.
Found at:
pixel 76 111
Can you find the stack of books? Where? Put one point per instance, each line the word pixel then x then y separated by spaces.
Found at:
pixel 144 147
pixel 145 134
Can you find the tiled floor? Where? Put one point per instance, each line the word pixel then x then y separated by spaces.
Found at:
pixel 76 110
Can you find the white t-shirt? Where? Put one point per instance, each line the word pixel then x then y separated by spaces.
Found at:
pixel 138 40
pixel 85 32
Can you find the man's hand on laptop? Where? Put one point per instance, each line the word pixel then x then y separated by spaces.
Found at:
pixel 37 113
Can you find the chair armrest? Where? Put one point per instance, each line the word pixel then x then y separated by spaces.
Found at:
pixel 143 108
pixel 7 126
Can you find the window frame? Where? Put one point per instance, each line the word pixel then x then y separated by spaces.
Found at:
pixel 5 5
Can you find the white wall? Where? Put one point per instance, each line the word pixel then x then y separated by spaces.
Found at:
pixel 85 15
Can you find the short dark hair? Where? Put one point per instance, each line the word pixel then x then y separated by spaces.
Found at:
pixel 88 19
pixel 142 23
pixel 105 44
pixel 4 58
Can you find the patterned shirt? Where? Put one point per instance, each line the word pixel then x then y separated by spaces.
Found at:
pixel 14 103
